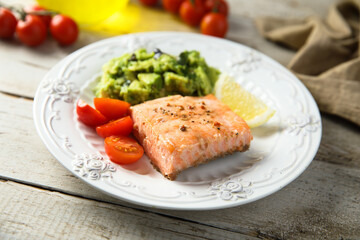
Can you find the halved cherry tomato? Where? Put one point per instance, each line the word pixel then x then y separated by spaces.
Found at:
pixel 45 18
pixel 88 115
pixel 123 150
pixel 7 23
pixel 112 108
pixel 172 6
pixel 122 126
pixel 191 12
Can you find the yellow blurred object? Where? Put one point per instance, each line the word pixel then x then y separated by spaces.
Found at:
pixel 120 22
pixel 114 17
pixel 85 11
pixel 136 18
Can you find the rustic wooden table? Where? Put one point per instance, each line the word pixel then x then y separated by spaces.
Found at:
pixel 40 199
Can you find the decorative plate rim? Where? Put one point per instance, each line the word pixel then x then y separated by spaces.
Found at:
pixel 92 167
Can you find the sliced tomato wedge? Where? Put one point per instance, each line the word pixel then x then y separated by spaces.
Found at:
pixel 122 127
pixel 88 115
pixel 123 150
pixel 112 108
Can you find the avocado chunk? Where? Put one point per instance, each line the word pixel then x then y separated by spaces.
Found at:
pixel 140 76
pixel 168 63
pixel 142 66
pixel 213 75
pixel 141 54
pixel 136 93
pixel 152 81
pixel 114 66
pixel 175 83
pixel 109 87
pixel 204 85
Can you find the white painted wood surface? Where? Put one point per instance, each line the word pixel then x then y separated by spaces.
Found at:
pixel 39 199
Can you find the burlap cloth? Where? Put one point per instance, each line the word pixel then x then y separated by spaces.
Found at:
pixel 327 59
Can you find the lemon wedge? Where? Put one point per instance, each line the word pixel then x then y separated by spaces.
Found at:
pixel 254 111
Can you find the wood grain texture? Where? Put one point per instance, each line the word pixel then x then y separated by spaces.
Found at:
pixel 322 203
pixel 340 145
pixel 22 68
pixel 31 213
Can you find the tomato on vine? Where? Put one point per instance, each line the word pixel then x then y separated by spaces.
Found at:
pixel 46 18
pixel 214 24
pixel 7 23
pixel 64 29
pixel 31 31
pixel 192 11
pixel 172 6
pixel 218 6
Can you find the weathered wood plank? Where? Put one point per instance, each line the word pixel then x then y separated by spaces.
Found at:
pixel 324 200
pixel 340 145
pixel 31 213
pixel 22 68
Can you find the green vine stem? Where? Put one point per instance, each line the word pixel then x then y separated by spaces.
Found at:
pixel 22 13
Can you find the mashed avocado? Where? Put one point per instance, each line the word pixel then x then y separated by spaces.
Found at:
pixel 143 76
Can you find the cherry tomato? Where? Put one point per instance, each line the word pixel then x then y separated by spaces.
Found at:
pixel 45 18
pixel 219 6
pixel 7 23
pixel 214 24
pixel 88 115
pixel 123 150
pixel 122 126
pixel 64 29
pixel 112 108
pixel 31 31
pixel 192 13
pixel 172 6
pixel 149 2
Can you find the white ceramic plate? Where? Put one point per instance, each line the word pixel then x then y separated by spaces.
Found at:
pixel 280 152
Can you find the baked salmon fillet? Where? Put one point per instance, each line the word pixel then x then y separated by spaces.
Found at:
pixel 181 132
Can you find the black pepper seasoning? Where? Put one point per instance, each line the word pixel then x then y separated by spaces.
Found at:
pixel 133 57
pixel 183 128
